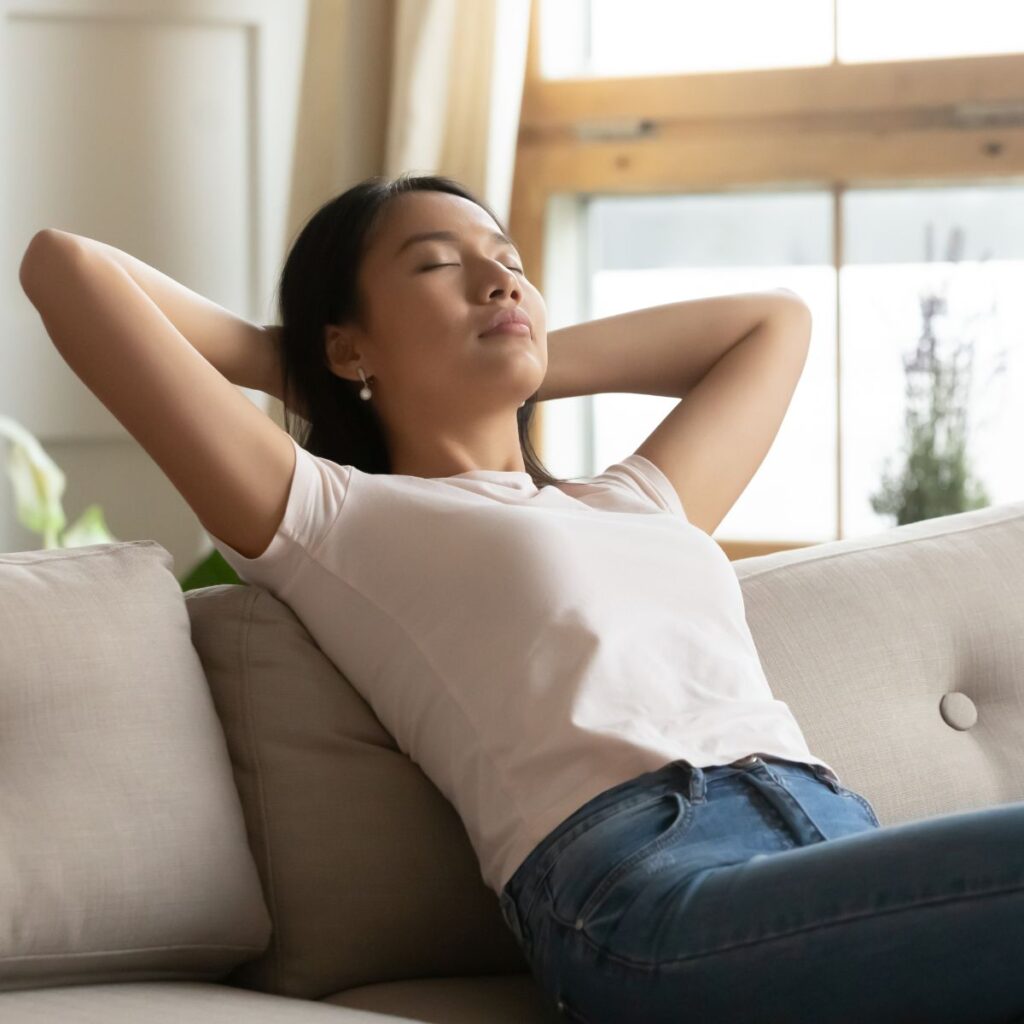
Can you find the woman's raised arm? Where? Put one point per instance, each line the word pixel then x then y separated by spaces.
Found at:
pixel 230 462
pixel 243 352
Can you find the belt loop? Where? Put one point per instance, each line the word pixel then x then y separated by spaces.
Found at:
pixel 824 776
pixel 509 912
pixel 697 784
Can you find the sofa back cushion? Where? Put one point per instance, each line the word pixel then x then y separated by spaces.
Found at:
pixel 901 654
pixel 123 851
pixel 367 868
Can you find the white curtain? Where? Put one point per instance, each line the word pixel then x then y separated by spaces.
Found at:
pixel 422 86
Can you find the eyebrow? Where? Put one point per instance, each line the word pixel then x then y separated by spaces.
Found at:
pixel 450 236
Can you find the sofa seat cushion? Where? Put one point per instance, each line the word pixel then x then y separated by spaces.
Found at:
pixel 172 1002
pixel 488 999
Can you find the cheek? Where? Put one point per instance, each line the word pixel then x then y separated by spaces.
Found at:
pixel 432 307
pixel 418 314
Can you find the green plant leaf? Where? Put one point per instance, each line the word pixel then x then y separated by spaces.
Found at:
pixel 212 570
pixel 89 528
pixel 37 480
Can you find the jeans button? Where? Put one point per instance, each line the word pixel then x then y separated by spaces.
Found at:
pixel 742 762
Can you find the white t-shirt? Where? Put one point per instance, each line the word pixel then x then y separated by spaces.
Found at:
pixel 527 648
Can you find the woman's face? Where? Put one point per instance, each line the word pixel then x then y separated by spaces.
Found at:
pixel 428 302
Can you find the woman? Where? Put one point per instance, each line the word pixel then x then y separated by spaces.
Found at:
pixel 568 661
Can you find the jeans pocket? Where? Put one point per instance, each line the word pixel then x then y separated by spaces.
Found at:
pixel 620 843
pixel 863 801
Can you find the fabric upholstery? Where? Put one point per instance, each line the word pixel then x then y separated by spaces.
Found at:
pixel 490 999
pixel 361 856
pixel 123 850
pixel 172 1002
pixel 903 655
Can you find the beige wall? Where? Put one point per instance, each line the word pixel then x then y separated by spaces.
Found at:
pixel 165 128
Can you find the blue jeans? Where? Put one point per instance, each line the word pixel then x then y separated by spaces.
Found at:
pixel 766 893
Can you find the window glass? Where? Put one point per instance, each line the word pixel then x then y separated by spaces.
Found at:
pixel 931 279
pixel 609 38
pixel 880 30
pixel 648 37
pixel 646 251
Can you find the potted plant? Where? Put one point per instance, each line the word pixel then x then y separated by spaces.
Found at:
pixel 935 478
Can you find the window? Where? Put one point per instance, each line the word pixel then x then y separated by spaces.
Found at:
pixel 825 169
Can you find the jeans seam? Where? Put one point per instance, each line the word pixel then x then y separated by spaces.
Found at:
pixel 867 807
pixel 842 790
pixel 539 884
pixel 652 964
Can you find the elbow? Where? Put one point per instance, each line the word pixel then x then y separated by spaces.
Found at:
pixel 790 293
pixel 35 260
pixel 796 305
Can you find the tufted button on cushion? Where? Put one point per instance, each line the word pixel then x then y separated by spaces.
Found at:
pixel 958 710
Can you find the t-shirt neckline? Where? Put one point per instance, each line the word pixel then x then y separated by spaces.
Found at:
pixel 497 474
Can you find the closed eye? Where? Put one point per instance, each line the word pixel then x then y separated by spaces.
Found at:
pixel 434 266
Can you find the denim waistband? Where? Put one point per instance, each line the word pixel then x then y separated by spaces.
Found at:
pixel 676 775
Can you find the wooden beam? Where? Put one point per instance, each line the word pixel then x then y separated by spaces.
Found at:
pixel 675 164
pixel 827 91
pixel 737 549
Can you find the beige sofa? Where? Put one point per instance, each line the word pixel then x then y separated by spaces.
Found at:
pixel 202 821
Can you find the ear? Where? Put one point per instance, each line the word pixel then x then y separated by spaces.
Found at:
pixel 342 355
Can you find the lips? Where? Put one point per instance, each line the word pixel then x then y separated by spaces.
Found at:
pixel 507 316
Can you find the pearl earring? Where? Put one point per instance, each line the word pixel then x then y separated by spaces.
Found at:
pixel 364 391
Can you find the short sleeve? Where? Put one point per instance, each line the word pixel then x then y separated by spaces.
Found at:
pixel 644 479
pixel 315 499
